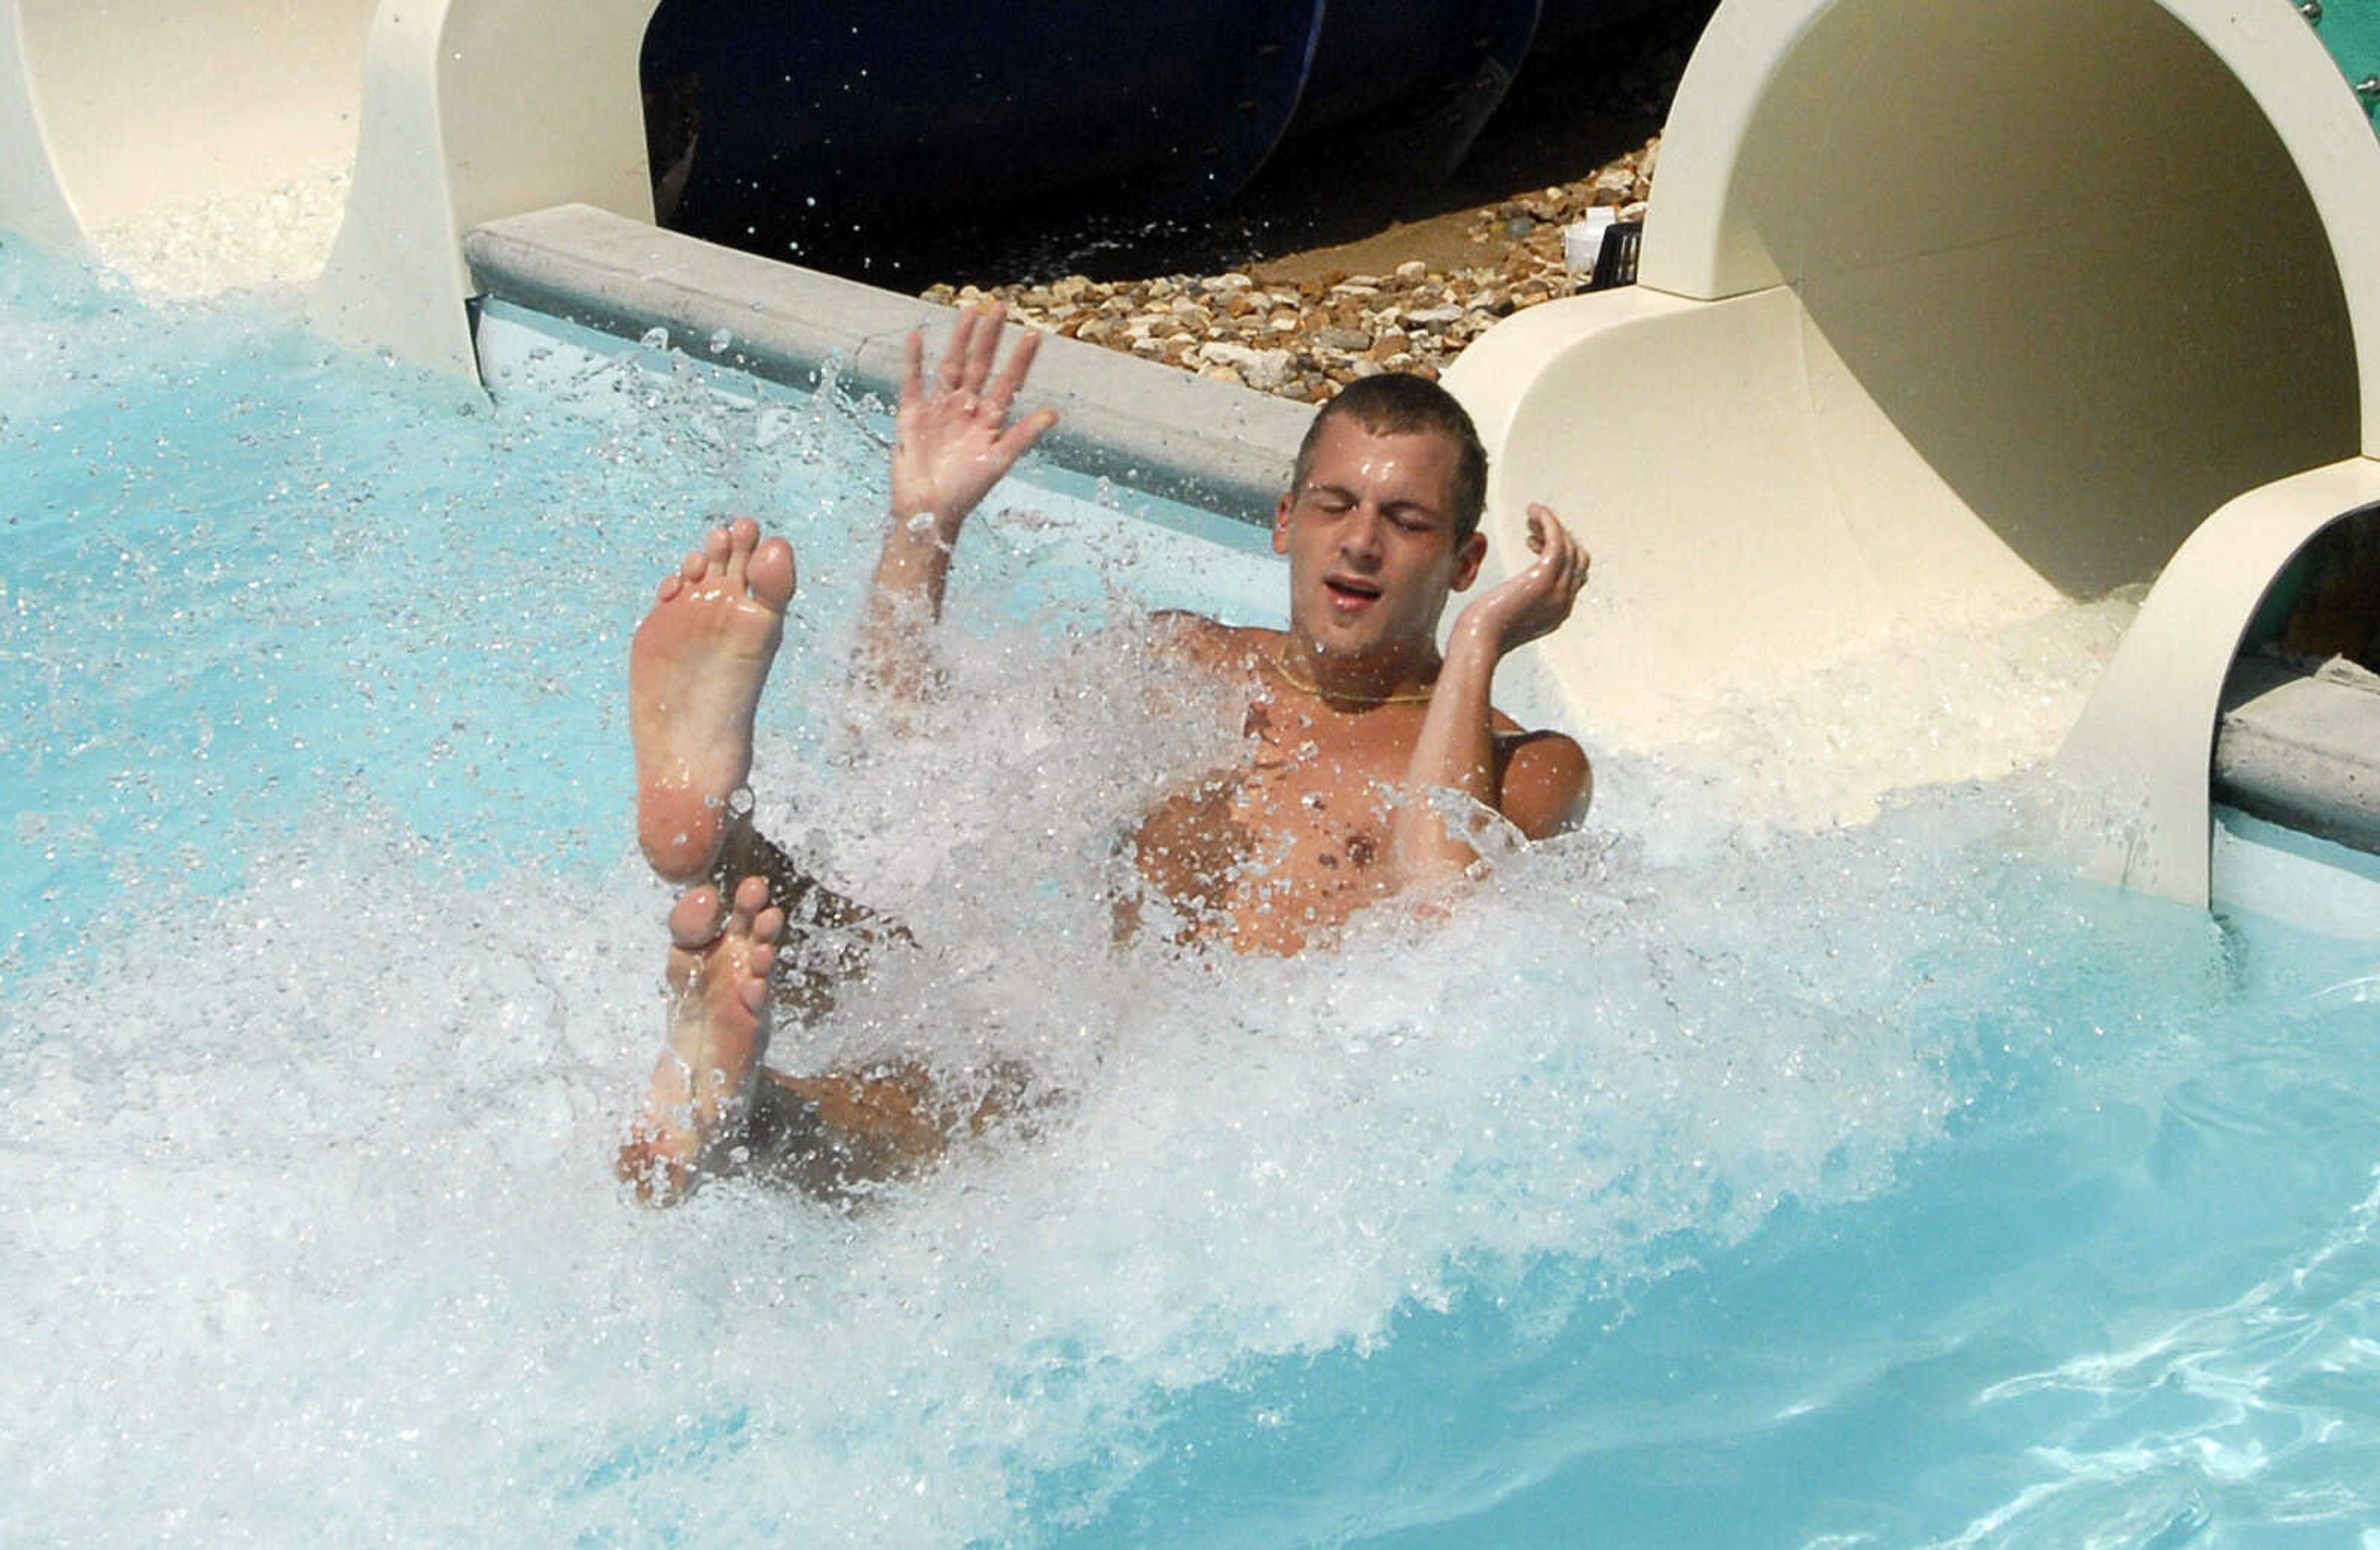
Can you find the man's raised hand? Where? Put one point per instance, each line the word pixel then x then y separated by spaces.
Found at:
pixel 953 440
pixel 1533 602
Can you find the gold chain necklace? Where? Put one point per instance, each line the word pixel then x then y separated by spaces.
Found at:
pixel 1417 697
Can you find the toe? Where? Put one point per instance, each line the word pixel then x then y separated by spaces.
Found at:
pixel 697 917
pixel 772 573
pixel 742 534
pixel 752 896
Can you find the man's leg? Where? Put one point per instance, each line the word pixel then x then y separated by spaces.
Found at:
pixel 832 1134
pixel 777 942
pixel 715 1107
pixel 830 937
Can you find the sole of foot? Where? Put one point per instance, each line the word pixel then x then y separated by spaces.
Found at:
pixel 720 956
pixel 696 669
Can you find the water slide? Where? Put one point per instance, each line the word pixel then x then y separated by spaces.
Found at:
pixel 1947 310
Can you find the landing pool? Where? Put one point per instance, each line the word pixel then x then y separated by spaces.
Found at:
pixel 1706 1181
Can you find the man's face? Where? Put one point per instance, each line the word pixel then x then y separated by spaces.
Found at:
pixel 1370 541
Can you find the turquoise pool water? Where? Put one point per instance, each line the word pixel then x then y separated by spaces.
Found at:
pixel 1703 1183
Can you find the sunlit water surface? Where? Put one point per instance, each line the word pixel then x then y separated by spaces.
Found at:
pixel 1703 1181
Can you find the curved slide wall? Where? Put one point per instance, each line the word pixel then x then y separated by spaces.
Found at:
pixel 116 111
pixel 1950 309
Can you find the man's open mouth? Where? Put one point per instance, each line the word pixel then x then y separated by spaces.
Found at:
pixel 1351 590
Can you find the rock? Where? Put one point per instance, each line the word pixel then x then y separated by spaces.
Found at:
pixel 1342 338
pixel 1268 370
pixel 1411 270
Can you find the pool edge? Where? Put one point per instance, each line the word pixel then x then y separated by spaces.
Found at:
pixel 1148 425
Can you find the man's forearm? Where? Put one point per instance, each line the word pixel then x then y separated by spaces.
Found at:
pixel 904 596
pixel 1455 752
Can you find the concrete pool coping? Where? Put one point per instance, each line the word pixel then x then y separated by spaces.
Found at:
pixel 2298 748
pixel 1150 426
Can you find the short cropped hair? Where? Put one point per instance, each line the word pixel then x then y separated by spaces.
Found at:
pixel 1399 403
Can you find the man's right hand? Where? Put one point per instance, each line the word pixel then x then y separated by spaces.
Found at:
pixel 952 441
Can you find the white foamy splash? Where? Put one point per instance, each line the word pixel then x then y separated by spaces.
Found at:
pixel 269 238
pixel 1958 704
pixel 326 1242
pixel 329 1159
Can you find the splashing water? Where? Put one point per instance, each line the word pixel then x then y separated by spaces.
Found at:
pixel 1700 1180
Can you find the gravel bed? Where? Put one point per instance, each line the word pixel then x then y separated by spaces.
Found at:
pixel 1307 339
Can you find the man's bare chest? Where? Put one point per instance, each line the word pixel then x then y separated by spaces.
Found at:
pixel 1292 837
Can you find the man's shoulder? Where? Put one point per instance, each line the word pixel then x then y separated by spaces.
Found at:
pixel 1213 645
pixel 1548 781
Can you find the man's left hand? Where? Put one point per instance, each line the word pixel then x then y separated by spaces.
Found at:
pixel 1533 604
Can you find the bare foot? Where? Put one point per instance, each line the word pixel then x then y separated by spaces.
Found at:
pixel 719 964
pixel 695 674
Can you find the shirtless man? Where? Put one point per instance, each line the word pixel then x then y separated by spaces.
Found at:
pixel 1355 727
